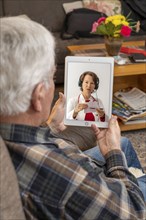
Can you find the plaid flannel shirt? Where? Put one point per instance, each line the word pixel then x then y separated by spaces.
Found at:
pixel 57 181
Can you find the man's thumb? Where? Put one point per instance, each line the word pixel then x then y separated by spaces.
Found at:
pixel 62 98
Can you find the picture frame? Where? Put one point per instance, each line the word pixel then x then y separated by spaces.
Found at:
pixel 98 108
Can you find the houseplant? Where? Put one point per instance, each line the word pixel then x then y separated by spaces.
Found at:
pixel 114 28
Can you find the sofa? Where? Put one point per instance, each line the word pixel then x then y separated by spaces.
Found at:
pixel 51 14
pixel 10 202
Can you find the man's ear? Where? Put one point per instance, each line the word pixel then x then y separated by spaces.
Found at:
pixel 37 96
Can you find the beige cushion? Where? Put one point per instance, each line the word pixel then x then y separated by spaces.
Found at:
pixel 107 7
pixel 10 202
pixel 68 7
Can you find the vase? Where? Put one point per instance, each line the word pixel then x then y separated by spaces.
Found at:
pixel 113 45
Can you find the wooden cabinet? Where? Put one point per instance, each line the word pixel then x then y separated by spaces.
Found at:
pixel 130 75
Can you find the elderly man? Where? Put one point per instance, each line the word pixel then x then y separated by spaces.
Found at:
pixel 56 179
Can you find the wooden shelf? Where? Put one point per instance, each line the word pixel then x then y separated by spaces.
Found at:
pixel 130 70
pixel 130 127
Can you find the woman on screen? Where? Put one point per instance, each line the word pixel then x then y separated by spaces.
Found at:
pixel 85 106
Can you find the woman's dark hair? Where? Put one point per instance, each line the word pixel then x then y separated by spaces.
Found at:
pixel 94 76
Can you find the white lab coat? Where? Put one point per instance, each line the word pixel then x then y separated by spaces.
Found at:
pixel 92 104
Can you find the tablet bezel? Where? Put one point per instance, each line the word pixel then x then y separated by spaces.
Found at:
pixel 91 62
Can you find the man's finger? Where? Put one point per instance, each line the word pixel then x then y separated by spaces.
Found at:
pixel 62 98
pixel 95 128
pixel 113 120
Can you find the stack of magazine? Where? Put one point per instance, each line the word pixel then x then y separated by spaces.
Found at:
pixel 130 105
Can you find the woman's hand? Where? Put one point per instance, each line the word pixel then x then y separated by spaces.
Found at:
pixel 79 107
pixel 108 139
pixel 100 112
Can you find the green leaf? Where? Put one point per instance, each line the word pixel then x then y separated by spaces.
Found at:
pixel 110 28
pixel 128 15
pixel 101 30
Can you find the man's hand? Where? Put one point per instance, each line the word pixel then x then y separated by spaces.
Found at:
pixel 55 121
pixel 108 139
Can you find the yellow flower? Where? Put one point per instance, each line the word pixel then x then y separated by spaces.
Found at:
pixel 115 18
pixel 116 22
pixel 125 23
pixel 118 17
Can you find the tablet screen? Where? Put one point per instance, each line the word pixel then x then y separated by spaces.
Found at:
pixel 88 89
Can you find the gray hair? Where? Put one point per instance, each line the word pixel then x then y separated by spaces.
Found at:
pixel 27 57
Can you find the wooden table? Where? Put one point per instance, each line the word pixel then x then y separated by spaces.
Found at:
pixel 129 75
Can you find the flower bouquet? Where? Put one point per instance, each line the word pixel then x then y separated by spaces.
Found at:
pixel 114 28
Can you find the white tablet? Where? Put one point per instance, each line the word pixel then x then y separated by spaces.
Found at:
pixel 88 89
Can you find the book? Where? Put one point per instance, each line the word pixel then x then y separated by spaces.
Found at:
pixel 131 50
pixel 130 117
pixel 135 121
pixel 138 58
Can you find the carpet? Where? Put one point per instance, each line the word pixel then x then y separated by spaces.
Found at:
pixel 138 140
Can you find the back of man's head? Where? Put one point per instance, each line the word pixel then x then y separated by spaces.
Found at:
pixel 27 58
